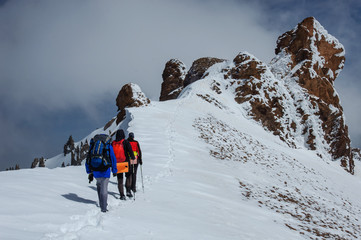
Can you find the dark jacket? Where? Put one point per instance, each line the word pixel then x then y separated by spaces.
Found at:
pixel 126 145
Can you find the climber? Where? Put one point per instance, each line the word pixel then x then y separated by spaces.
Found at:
pixel 100 161
pixel 123 151
pixel 134 164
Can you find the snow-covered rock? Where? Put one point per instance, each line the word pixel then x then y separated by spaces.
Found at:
pixel 293 96
pixel 173 77
pixel 198 68
pixel 308 60
pixel 130 95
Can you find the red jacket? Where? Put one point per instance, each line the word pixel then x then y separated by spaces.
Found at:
pixel 136 148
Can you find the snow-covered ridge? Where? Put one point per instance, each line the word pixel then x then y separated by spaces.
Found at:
pixel 210 172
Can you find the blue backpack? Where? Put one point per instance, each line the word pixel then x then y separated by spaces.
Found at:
pixel 99 153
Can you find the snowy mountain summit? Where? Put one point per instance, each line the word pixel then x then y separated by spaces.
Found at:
pixel 293 96
pixel 234 149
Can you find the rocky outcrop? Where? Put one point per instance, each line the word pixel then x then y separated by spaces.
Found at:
pixel 311 45
pixel 199 67
pixel 173 77
pixel 262 95
pixel 109 123
pixel 293 96
pixel 356 154
pixel 129 96
pixel 314 60
pixel 247 67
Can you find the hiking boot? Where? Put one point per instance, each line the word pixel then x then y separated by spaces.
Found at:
pixel 122 197
pixel 129 194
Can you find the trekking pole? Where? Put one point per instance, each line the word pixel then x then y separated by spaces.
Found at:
pixel 132 181
pixel 141 173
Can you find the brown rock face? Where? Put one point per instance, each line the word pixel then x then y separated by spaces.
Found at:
pixel 130 96
pixel 173 78
pixel 246 67
pixel 295 97
pixel 316 59
pixel 309 42
pixel 250 81
pixel 321 58
pixel 199 67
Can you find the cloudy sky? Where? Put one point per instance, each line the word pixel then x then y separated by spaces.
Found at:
pixel 62 63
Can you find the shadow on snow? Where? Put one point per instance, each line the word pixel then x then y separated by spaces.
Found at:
pixel 76 198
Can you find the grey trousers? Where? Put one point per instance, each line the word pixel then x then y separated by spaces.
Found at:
pixel 102 189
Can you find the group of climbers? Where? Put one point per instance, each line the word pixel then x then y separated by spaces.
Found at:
pixel 121 157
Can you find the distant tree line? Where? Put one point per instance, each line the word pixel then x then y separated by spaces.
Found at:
pixel 17 167
pixel 40 161
pixel 78 154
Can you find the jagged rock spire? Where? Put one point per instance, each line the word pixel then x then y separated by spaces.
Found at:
pixel 314 60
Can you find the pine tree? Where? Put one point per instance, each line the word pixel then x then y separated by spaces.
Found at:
pixel 72 161
pixel 42 162
pixel 35 163
pixel 70 143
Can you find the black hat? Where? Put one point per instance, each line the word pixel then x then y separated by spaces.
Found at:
pixel 120 135
pixel 131 135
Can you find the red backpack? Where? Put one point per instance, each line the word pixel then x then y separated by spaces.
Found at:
pixel 119 151
pixel 135 149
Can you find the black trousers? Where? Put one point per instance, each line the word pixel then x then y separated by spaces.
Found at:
pixel 130 183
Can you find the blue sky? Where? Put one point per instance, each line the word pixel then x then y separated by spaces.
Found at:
pixel 62 63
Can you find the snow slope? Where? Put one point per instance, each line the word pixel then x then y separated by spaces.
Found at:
pixel 209 173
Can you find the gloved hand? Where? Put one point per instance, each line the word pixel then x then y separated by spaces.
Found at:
pixel 114 174
pixel 140 161
pixel 91 177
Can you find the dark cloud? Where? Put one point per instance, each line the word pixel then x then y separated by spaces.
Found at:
pixel 2 2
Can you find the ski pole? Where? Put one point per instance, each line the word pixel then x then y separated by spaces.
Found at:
pixel 141 173
pixel 132 181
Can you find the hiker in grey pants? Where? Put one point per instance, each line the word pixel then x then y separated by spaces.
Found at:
pixel 102 177
pixel 102 189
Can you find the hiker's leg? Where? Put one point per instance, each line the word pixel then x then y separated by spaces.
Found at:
pixel 134 178
pixel 99 188
pixel 128 181
pixel 102 188
pixel 120 184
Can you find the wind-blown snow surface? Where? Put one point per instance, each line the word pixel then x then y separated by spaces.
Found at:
pixel 209 173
